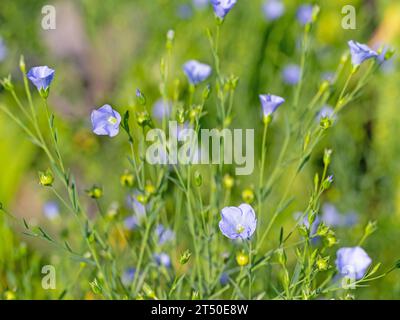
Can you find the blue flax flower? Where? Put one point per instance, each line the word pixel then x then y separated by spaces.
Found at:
pixel 51 210
pixel 238 222
pixel 270 103
pixel 41 77
pixel 291 74
pixel 162 109
pixel 273 9
pixel 106 121
pixel 3 50
pixel 222 7
pixel 326 112
pixel 128 276
pixel 196 72
pixel 352 262
pixel 163 259
pixel 164 234
pixel 360 52
pixel 304 14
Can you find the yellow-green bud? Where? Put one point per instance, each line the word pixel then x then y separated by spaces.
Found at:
pixel 46 179
pixel 248 195
pixel 95 192
pixel 242 259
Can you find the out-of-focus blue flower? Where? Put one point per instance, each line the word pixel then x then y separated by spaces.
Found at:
pixel 273 9
pixel 270 103
pixel 238 222
pixel 196 72
pixel 222 7
pixel 326 112
pixel 51 210
pixel 185 11
pixel 291 74
pixel 41 77
pixel 3 50
pixel 162 259
pixel 304 14
pixel 164 234
pixel 105 121
pixel 352 262
pixel 328 76
pixel 224 279
pixel 133 203
pixel 333 218
pixel 360 52
pixel 131 222
pixel 200 4
pixel 128 276
pixel 161 109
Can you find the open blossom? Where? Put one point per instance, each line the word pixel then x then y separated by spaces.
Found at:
pixel 304 14
pixel 326 112
pixel 238 222
pixel 41 77
pixel 106 121
pixel 162 109
pixel 128 276
pixel 164 234
pixel 222 7
pixel 360 52
pixel 273 9
pixel 270 103
pixel 352 262
pixel 333 218
pixel 196 72
pixel 291 74
pixel 162 259
pixel 51 210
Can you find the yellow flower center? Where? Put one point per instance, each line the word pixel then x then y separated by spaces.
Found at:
pixel 112 120
pixel 239 228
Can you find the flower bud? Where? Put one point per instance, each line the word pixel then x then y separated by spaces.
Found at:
pixel 7 84
pixel 248 195
pixel 127 179
pixel 46 179
pixel 228 182
pixel 22 66
pixel 242 259
pixel 198 179
pixel 328 182
pixel 95 192
pixel 327 157
pixel 322 263
pixel 206 92
pixel 185 257
pixel 150 188
pixel 143 119
pixel 140 97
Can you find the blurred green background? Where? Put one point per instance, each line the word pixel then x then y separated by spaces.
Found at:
pixel 103 50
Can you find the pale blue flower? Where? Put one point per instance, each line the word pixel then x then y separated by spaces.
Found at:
pixel 291 74
pixel 333 218
pixel 304 14
pixel 51 210
pixel 273 9
pixel 41 77
pixel 270 103
pixel 3 50
pixel 106 121
pixel 164 235
pixel 360 52
pixel 162 109
pixel 222 7
pixel 238 222
pixel 326 112
pixel 352 262
pixel 162 259
pixel 131 222
pixel 196 72
pixel 128 276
